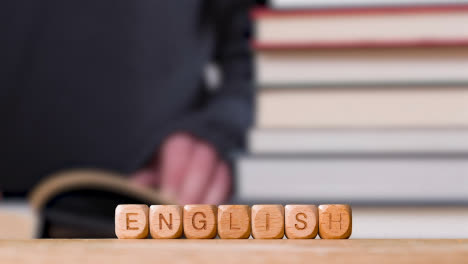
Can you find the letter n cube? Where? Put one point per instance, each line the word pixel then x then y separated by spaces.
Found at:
pixel 166 221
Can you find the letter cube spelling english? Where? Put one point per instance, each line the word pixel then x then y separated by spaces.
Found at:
pixel 166 221
pixel 131 221
pixel 234 221
pixel 200 221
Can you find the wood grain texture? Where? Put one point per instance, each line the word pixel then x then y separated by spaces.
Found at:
pixel 234 221
pixel 268 221
pixel 166 221
pixel 200 221
pixel 335 221
pixel 301 221
pixel 131 221
pixel 245 251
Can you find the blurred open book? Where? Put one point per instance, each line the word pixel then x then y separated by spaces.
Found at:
pixel 72 204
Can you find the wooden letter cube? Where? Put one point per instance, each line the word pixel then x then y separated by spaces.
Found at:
pixel 268 221
pixel 335 221
pixel 301 221
pixel 131 221
pixel 166 221
pixel 234 221
pixel 200 221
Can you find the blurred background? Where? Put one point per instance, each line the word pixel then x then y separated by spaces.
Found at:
pixel 363 102
pixel 356 101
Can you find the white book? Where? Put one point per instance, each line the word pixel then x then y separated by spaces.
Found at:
pixel 372 107
pixel 375 27
pixel 362 66
pixel 303 141
pixel 18 220
pixel 348 179
pixel 295 4
pixel 410 222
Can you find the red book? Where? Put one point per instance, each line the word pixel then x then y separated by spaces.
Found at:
pixel 362 27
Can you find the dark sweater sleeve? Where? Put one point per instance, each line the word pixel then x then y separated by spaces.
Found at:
pixel 227 114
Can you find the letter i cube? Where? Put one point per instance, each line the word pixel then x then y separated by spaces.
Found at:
pixel 268 221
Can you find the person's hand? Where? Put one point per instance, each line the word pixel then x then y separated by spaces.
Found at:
pixel 189 169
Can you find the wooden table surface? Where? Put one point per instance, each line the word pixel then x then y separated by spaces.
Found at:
pixel 233 251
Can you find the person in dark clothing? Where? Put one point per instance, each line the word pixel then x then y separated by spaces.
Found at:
pixel 119 85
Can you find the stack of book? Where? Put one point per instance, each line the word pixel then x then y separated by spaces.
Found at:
pixel 359 101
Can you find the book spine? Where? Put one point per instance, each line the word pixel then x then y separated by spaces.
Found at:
pixel 264 46
pixel 261 12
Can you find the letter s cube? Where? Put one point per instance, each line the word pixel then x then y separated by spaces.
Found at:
pixel 301 221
